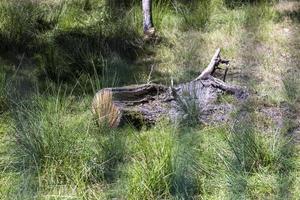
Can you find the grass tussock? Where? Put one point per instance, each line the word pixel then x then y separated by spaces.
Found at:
pixel 3 92
pixel 61 150
pixel 58 147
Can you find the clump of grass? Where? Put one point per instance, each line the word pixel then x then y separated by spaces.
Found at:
pixel 52 141
pixel 45 130
pixel 112 153
pixel 188 169
pixel 58 142
pixel 23 23
pixel 165 163
pixel 3 92
pixel 249 150
pixel 196 14
pixel 291 86
pixel 189 108
pixel 252 154
pixel 66 148
pixel 150 172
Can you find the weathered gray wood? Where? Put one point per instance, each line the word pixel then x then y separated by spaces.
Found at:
pixel 211 67
pixel 150 102
pixel 119 104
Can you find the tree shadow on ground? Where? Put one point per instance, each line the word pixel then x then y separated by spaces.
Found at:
pixel 112 154
pixel 70 55
pixel 243 143
pixel 289 10
pixel 84 51
pixel 185 166
pixel 243 139
pixel 252 55
pixel 291 126
pixel 239 3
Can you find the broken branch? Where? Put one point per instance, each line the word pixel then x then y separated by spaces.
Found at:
pixel 213 65
pixel 145 104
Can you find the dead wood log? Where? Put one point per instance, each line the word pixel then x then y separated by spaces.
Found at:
pixel 213 65
pixel 148 103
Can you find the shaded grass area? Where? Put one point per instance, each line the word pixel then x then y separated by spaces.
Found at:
pixel 63 40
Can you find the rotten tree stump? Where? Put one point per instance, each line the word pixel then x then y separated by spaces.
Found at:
pixel 150 102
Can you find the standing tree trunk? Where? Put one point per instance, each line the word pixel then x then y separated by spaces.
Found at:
pixel 147 18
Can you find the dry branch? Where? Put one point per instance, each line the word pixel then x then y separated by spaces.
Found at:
pixel 213 65
pixel 148 103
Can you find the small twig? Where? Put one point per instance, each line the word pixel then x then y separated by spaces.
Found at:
pixel 19 65
pixel 225 74
pixel 149 76
pixel 226 62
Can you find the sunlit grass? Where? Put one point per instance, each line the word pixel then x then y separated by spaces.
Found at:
pixel 53 148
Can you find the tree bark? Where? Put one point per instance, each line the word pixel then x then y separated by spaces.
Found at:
pixel 146 104
pixel 147 18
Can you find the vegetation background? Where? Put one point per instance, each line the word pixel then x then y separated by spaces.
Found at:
pixel 55 54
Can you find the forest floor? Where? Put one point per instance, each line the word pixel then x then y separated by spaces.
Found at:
pixel 52 148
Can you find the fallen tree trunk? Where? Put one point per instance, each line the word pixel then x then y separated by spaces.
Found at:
pixel 148 103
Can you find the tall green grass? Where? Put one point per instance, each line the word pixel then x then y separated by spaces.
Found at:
pixel 3 92
pixel 149 175
pixel 64 39
pixel 57 143
pixel 58 151
pixel 255 156
pixel 58 147
pixel 24 22
pixel 46 132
